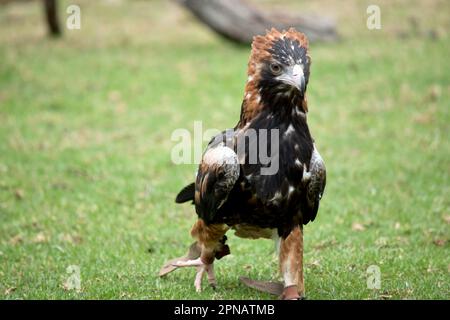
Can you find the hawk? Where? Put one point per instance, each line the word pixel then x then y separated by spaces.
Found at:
pixel 235 188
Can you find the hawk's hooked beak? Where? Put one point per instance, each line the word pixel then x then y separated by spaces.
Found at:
pixel 295 77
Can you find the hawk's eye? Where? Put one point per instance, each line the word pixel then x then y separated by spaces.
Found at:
pixel 275 68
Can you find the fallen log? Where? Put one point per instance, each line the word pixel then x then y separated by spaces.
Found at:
pixel 239 21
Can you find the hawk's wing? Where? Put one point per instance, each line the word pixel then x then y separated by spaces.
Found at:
pixel 217 173
pixel 316 185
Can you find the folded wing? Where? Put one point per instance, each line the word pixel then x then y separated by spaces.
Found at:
pixel 216 176
pixel 316 185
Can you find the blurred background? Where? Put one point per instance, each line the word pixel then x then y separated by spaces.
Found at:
pixel 86 116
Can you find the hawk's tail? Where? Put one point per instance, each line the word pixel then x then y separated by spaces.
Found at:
pixel 186 194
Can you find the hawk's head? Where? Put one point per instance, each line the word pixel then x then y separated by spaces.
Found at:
pixel 278 70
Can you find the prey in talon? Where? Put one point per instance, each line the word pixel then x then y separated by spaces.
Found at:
pixel 265 177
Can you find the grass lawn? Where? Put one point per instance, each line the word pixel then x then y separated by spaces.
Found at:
pixel 86 176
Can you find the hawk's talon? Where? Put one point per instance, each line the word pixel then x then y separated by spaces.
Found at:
pixel 202 268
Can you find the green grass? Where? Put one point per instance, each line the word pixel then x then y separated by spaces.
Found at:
pixel 86 177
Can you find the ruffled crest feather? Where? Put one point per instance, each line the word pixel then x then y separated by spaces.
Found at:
pixel 261 47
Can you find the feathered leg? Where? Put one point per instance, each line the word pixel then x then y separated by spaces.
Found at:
pixel 211 239
pixel 291 264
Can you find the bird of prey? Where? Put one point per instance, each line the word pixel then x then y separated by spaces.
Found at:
pixel 236 188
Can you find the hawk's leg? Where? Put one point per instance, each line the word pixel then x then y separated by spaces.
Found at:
pixel 211 239
pixel 202 268
pixel 291 264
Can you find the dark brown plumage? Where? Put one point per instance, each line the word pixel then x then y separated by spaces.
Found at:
pixel 232 191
